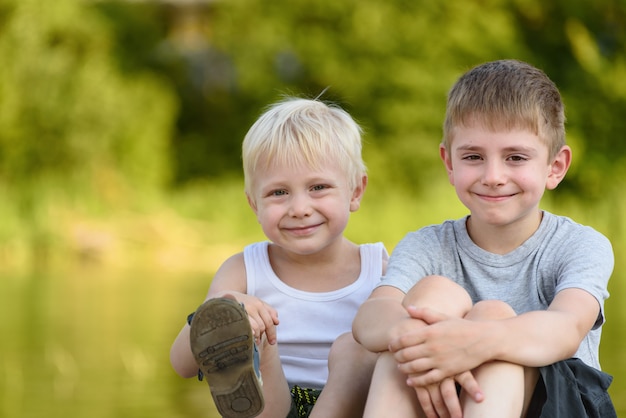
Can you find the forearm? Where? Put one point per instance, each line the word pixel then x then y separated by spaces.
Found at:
pixel 533 339
pixel 181 356
pixel 544 337
pixel 374 320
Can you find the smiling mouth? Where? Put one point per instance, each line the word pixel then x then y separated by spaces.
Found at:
pixel 302 229
pixel 495 198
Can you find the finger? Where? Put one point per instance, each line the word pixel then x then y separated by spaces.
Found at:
pixel 451 398
pixel 256 330
pixel 268 315
pixel 418 366
pixel 410 339
pixel 424 379
pixel 423 397
pixel 437 400
pixel 272 313
pixel 426 314
pixel 470 386
pixel 270 332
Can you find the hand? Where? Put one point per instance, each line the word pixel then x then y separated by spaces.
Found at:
pixel 404 327
pixel 441 400
pixel 444 348
pixel 263 317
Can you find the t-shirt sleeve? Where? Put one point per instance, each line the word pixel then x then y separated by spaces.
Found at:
pixel 587 263
pixel 417 255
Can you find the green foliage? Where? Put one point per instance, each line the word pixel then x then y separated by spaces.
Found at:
pixel 582 47
pixel 106 102
pixel 74 130
pixel 390 64
pixel 68 117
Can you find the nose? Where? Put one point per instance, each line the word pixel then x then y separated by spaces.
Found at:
pixel 494 173
pixel 300 205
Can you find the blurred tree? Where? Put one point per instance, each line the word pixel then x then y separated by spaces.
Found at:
pixel 390 64
pixel 67 114
pixel 582 46
pixel 72 126
pixel 174 40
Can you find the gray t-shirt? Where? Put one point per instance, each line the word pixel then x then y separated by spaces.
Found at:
pixel 561 254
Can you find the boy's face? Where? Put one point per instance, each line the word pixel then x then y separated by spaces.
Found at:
pixel 301 209
pixel 501 176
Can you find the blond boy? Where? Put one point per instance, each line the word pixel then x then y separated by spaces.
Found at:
pixel 297 293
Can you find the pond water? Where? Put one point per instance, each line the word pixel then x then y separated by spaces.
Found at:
pixel 90 343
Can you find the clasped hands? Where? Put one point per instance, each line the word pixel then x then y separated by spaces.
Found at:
pixel 434 351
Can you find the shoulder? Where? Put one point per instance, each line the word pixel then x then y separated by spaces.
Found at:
pixel 434 236
pixel 232 264
pixel 375 255
pixel 374 249
pixel 231 275
pixel 578 236
pixel 576 250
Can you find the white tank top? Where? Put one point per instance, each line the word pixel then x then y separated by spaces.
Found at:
pixel 310 321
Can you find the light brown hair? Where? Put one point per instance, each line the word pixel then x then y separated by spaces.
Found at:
pixel 505 95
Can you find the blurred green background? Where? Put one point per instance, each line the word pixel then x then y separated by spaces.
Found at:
pixel 120 186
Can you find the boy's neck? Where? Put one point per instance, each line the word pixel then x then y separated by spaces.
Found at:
pixel 321 272
pixel 502 239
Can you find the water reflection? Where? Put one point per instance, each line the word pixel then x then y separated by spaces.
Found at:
pixel 95 344
pixel 91 344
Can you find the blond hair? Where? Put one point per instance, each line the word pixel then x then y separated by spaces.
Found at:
pixel 298 131
pixel 507 94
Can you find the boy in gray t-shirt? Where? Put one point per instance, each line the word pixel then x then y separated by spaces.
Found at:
pixel 498 314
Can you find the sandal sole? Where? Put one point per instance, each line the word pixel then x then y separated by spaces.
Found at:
pixel 223 346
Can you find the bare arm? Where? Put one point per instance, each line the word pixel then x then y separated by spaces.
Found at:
pixel 545 337
pixel 377 316
pixel 532 339
pixel 230 278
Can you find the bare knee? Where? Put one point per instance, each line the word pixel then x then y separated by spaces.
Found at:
pixel 342 345
pixel 441 294
pixel 345 348
pixel 491 309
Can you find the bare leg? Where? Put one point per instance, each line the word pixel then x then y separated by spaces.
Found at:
pixel 350 368
pixel 389 395
pixel 275 387
pixel 501 382
pixel 440 294
pixel 531 377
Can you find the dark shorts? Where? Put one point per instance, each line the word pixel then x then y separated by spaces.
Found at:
pixel 571 389
pixel 302 401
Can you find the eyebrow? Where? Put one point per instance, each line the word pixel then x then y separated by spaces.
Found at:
pixel 523 149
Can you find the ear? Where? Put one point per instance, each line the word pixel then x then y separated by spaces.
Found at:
pixel 357 194
pixel 559 166
pixel 447 162
pixel 252 203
